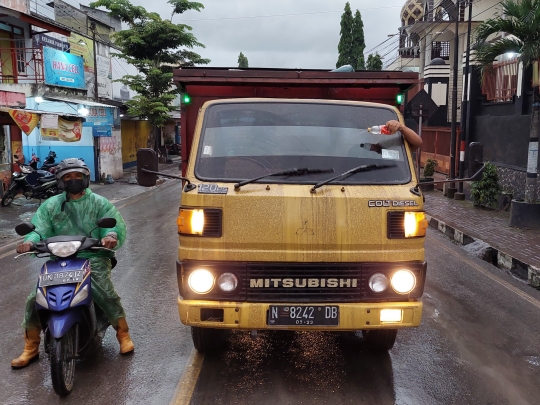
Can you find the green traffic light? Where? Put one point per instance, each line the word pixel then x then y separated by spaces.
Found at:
pixel 399 99
pixel 186 99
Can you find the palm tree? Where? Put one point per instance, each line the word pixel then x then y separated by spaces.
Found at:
pixel 521 20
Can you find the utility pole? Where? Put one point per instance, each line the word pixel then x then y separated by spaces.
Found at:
pixel 450 191
pixel 93 29
pixel 463 134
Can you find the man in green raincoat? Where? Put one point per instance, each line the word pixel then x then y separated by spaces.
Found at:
pixel 75 212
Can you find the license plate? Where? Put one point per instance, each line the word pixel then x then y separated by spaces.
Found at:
pixel 303 315
pixel 62 277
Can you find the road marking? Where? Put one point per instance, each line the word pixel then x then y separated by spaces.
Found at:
pixel 186 385
pixel 488 274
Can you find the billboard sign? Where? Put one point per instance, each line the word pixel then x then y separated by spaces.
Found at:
pixel 99 116
pixel 104 75
pixel 46 40
pixel 63 69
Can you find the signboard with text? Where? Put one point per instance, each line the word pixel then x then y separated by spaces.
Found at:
pixel 63 69
pixel 46 40
pixel 99 116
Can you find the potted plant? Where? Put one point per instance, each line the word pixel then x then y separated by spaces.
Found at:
pixel 429 171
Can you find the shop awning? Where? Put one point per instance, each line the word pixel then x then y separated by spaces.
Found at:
pixel 40 112
pixel 77 101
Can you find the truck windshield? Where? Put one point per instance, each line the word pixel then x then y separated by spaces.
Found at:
pixel 244 140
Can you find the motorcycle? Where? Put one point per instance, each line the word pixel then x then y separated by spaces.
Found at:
pixel 39 184
pixel 73 326
pixel 48 165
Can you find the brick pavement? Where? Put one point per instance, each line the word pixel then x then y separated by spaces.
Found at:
pixel 491 227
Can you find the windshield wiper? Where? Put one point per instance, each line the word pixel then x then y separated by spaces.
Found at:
pixel 363 168
pixel 288 172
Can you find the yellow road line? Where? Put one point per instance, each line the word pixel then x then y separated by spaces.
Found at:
pixel 186 385
pixel 488 274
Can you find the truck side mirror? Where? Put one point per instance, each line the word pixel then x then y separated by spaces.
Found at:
pixel 147 159
pixel 475 162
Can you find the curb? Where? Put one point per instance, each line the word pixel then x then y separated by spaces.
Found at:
pixel 502 260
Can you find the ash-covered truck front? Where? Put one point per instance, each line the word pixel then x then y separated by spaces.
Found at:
pixel 297 216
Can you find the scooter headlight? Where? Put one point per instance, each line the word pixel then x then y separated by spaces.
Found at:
pixel 80 296
pixel 201 281
pixel 63 249
pixel 40 299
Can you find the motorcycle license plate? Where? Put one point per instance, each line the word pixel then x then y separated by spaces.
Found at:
pixel 62 277
pixel 303 315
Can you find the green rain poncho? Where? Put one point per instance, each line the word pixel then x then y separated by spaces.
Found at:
pixel 56 217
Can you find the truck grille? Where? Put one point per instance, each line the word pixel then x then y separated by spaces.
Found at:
pixel 300 276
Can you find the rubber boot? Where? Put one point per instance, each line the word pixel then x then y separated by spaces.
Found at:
pixel 122 334
pixel 32 337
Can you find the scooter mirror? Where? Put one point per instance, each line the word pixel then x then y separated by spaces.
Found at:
pixel 147 159
pixel 25 228
pixel 106 222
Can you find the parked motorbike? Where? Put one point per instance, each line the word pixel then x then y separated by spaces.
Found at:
pixel 38 184
pixel 73 326
pixel 49 164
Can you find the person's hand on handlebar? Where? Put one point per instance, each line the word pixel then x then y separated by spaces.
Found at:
pixel 109 242
pixel 24 247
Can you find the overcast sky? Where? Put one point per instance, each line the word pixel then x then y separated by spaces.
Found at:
pixel 281 33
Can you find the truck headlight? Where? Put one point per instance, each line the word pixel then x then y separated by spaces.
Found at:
pixel 415 224
pixel 403 281
pixel 378 282
pixel 199 221
pixel 201 281
pixel 227 282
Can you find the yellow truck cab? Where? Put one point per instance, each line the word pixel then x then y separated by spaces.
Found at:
pixel 297 217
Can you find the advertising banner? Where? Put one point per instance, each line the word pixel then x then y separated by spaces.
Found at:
pixel 46 40
pixel 84 47
pixel 26 121
pixel 99 116
pixel 63 69
pixel 67 131
pixel 104 75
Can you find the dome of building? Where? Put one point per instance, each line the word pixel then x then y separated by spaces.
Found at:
pixel 412 11
pixel 437 61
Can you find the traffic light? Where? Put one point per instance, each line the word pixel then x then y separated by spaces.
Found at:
pixel 186 99
pixel 399 99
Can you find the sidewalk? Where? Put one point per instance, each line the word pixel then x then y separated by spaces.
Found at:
pixel 487 234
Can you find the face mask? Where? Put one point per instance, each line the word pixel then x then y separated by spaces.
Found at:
pixel 74 186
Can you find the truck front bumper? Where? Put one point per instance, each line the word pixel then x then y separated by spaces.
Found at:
pixel 254 316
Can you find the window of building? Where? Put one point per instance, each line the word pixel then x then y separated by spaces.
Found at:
pixel 499 84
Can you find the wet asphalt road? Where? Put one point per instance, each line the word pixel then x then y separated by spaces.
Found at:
pixel 478 342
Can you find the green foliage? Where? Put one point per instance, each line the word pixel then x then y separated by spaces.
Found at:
pixel 345 46
pixel 242 61
pixel 351 43
pixel 154 46
pixel 485 192
pixel 429 167
pixel 358 42
pixel 374 62
pixel 520 18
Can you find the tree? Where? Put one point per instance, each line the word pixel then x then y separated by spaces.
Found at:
pixel 242 61
pixel 374 62
pixel 521 21
pixel 154 46
pixel 345 46
pixel 358 42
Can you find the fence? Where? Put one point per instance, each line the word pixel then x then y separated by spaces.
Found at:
pixel 500 83
pixel 21 65
pixel 436 145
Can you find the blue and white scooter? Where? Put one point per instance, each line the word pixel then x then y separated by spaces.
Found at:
pixel 72 324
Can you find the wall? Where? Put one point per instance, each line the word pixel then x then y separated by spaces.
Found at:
pixel 134 136
pixel 111 154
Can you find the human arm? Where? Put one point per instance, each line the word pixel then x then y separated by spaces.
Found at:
pixel 411 136
pixel 112 237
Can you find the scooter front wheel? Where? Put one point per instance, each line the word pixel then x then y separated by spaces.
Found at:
pixel 8 198
pixel 62 356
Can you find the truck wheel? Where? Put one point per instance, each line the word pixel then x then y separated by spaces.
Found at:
pixel 8 198
pixel 62 356
pixel 380 340
pixel 208 339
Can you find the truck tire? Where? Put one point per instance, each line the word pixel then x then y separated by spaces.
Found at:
pixel 208 339
pixel 8 198
pixel 62 357
pixel 380 340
